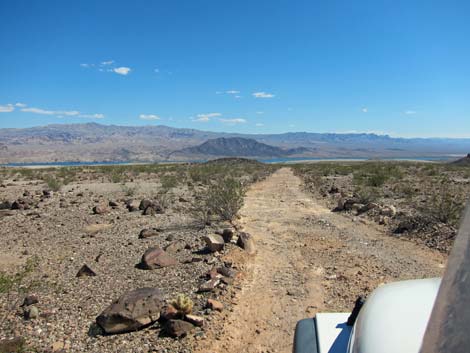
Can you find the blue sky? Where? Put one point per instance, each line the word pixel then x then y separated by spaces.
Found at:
pixel 399 67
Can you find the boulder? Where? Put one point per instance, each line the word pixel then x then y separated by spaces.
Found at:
pixel 178 328
pixel 132 311
pixel 214 242
pixel 144 204
pixel 156 258
pixel 5 205
pixel 147 233
pixel 149 211
pixel 246 242
pixel 12 345
pixel 227 272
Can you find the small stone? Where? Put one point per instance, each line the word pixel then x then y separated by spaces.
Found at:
pixel 227 234
pixel 214 242
pixel 30 300
pixel 156 258
pixel 215 305
pixel 245 241
pixel 168 312
pixel 31 313
pixel 147 233
pixel 86 271
pixel 195 320
pixel 100 209
pixel 178 328
pixel 209 285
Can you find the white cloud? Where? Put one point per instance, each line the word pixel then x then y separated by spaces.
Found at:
pixel 206 117
pixel 263 95
pixel 232 92
pixel 233 121
pixel 85 65
pixel 122 70
pixel 92 116
pixel 149 117
pixel 62 113
pixel 410 112
pixel 259 124
pixel 109 62
pixel 365 110
pixel 6 108
pixel 20 105
pixel 259 113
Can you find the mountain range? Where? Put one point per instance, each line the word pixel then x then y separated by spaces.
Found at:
pixel 93 142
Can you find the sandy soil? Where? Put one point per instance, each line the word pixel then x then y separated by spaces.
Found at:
pixel 308 260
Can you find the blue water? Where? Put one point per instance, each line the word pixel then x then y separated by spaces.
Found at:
pixel 269 160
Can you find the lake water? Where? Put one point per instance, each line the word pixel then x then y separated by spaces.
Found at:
pixel 269 160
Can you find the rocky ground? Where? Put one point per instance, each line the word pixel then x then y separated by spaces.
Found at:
pixel 422 202
pixel 48 236
pixel 290 257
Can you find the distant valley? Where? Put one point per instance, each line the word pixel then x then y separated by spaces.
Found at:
pixel 99 143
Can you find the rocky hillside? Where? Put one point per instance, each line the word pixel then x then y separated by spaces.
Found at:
pixel 238 146
pixel 98 143
pixel 463 161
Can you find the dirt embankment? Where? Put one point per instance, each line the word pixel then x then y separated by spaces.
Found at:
pixel 308 260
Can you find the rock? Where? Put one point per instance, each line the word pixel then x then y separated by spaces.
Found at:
pixel 209 285
pixel 31 313
pixel 389 211
pixel 156 258
pixel 245 241
pixel 214 242
pixel 100 209
pixel 85 271
pixel 60 346
pixel 147 233
pixel 132 311
pixel 47 193
pixel 178 328
pixel 144 204
pixel 227 272
pixel 149 211
pixel 16 205
pixel 227 235
pixel 333 190
pixel 30 300
pixel 113 204
pixel 175 246
pixel 12 345
pixel 5 205
pixel 168 312
pixel 195 320
pixel 215 305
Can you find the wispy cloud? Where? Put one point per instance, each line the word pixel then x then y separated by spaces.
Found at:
pixel 149 117
pixel 259 113
pixel 20 105
pixel 232 92
pixel 6 108
pixel 263 95
pixel 109 62
pixel 62 113
pixel 233 121
pixel 206 117
pixel 122 70
pixel 410 112
pixel 365 110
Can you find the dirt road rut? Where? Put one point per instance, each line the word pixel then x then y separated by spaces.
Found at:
pixel 308 259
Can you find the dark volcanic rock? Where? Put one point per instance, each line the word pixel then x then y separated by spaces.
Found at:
pixel 132 311
pixel 156 258
pixel 147 233
pixel 86 271
pixel 178 328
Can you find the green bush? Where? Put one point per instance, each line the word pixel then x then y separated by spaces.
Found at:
pixel 52 183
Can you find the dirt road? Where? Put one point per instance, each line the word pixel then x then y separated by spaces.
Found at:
pixel 308 259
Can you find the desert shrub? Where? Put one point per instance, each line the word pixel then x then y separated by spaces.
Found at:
pixel 222 200
pixel 444 205
pixel 129 191
pixel 168 181
pixel 52 183
pixel 367 195
pixel 163 198
pixel 183 304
